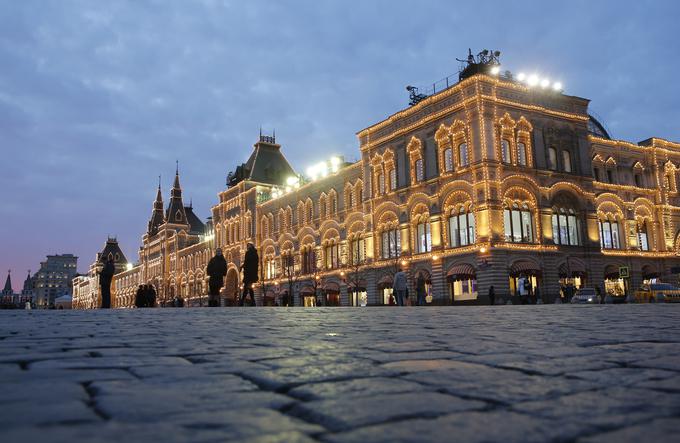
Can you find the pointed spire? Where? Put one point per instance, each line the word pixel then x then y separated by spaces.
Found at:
pixel 157 217
pixel 8 284
pixel 176 184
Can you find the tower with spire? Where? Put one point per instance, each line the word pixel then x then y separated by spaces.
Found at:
pixel 157 217
pixel 176 214
pixel 7 290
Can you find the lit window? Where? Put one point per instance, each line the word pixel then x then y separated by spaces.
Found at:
pixel 609 234
pixel 461 228
pixel 332 254
pixel 522 151
pixel 423 237
pixel 462 154
pixel 393 179
pixel 565 227
pixel 642 236
pixel 505 150
pixel 357 251
pixel 448 160
pixel 391 243
pixel 420 171
pixel 518 224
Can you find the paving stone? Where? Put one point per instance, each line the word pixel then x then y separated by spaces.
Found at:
pixel 361 387
pixel 488 373
pixel 663 430
pixel 346 413
pixel 471 427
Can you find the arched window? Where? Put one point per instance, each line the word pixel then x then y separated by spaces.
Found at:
pixel 566 161
pixel 643 240
pixel 423 237
pixel 462 155
pixel 357 251
pixel 461 227
pixel 391 243
pixel 308 260
pixel 596 174
pixel 381 183
pixel 448 160
pixel 565 227
pixel 420 170
pixel 522 153
pixel 322 206
pixel 518 223
pixel 505 151
pixel 552 158
pixel 332 254
pixel 609 234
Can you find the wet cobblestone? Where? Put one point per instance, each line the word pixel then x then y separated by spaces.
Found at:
pixel 510 373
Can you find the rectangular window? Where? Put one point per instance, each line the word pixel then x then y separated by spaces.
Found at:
pixel 420 170
pixel 573 230
pixel 517 227
pixel 566 160
pixel 522 151
pixel 453 231
pixel 606 235
pixel 393 179
pixel 615 236
pixel 462 229
pixel 564 234
pixel 505 151
pixel 552 158
pixel 508 225
pixel 448 160
pixel 527 231
pixel 555 230
pixel 471 227
pixel 424 238
pixel 610 176
pixel 463 155
pixel 644 244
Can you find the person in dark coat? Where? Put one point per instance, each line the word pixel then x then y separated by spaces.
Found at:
pixel 492 295
pixel 152 297
pixel 217 269
pixel 249 268
pixel 420 290
pixel 105 278
pixel 139 297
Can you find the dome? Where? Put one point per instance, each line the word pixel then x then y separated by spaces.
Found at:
pixel 596 128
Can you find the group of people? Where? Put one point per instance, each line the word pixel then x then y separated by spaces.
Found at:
pixel 145 297
pixel 217 270
pixel 400 289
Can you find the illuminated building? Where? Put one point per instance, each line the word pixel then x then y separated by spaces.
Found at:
pixel 494 180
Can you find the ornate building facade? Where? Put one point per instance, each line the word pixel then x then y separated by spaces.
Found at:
pixel 490 182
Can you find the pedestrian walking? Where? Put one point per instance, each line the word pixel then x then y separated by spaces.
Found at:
pixel 152 297
pixel 140 301
pixel 217 269
pixel 400 287
pixel 420 290
pixel 250 269
pixel 492 295
pixel 105 279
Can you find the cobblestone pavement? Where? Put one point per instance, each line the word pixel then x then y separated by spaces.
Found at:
pixel 480 374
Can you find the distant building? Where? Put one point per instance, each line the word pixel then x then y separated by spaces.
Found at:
pixel 54 278
pixel 86 294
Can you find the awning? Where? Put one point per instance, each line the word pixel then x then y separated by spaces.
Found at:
pixel 524 267
pixel 463 271
pixel 331 286
pixel 611 272
pixel 307 290
pixel 385 282
pixel 576 267
pixel 361 284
